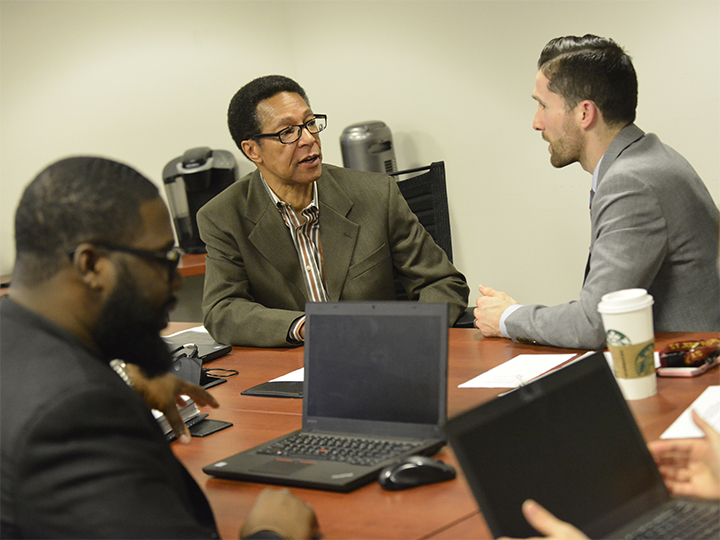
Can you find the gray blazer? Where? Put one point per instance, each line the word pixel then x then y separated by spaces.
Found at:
pixel 654 226
pixel 254 287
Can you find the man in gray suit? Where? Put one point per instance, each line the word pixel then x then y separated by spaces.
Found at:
pixel 654 223
pixel 295 230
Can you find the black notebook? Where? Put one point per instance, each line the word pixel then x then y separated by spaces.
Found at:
pixel 285 389
pixel 567 440
pixel 375 376
pixel 207 348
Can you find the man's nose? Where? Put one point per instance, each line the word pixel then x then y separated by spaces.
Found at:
pixel 537 124
pixel 306 137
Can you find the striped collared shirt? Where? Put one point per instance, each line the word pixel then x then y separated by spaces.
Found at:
pixel 306 237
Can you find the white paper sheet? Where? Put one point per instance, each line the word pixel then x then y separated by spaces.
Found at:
pixel 191 331
pixel 707 405
pixel 516 371
pixel 294 376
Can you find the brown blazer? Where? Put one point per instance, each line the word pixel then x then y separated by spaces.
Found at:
pixel 254 288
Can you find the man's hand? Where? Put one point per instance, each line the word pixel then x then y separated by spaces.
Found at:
pixel 690 467
pixel 545 523
pixel 490 307
pixel 165 392
pixel 280 511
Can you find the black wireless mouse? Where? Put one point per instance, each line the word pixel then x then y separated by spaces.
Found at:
pixel 415 471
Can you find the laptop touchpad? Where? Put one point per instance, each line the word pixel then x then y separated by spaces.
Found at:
pixel 281 467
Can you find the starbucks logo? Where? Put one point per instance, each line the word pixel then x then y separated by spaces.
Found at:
pixel 645 360
pixel 616 338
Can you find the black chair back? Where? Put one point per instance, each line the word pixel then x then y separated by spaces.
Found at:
pixel 426 194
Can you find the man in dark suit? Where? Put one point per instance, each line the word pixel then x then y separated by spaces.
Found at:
pixel 82 455
pixel 654 223
pixel 296 230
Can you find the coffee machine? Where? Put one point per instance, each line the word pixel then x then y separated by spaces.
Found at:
pixel 190 181
pixel 368 146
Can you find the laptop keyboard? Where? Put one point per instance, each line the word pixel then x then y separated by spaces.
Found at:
pixel 351 450
pixel 684 520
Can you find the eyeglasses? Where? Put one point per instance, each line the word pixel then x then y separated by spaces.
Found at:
pixel 291 134
pixel 171 258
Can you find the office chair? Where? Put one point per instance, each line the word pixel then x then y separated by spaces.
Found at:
pixel 426 194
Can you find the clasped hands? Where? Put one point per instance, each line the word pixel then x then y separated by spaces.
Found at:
pixel 490 307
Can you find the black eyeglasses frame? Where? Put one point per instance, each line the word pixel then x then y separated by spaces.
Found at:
pixel 280 133
pixel 170 258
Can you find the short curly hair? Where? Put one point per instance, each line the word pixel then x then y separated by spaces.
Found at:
pixel 75 200
pixel 243 119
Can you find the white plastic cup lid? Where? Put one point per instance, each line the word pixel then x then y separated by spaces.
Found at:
pixel 625 300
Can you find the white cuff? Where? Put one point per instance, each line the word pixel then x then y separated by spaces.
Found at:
pixel 508 311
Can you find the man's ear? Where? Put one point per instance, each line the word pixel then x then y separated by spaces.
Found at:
pixel 588 114
pixel 92 267
pixel 252 150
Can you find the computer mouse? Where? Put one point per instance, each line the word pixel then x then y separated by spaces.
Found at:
pixel 415 471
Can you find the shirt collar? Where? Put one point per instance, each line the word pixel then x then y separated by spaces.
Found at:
pixel 596 174
pixel 277 202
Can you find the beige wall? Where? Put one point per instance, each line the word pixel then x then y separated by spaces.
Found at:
pixel 142 81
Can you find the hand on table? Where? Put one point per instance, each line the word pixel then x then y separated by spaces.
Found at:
pixel 279 511
pixel 490 307
pixel 165 392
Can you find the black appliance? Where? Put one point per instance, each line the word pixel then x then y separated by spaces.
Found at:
pixel 190 181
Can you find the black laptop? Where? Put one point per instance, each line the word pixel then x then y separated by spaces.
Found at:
pixel 374 390
pixel 568 441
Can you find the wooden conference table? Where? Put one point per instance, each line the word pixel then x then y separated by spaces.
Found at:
pixel 443 511
pixel 192 264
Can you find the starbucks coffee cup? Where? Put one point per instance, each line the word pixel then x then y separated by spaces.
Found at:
pixel 627 318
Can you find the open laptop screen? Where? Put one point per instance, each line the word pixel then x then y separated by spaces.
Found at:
pixel 568 441
pixel 404 346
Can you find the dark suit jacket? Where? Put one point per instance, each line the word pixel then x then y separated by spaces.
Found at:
pixel 654 226
pixel 254 287
pixel 82 457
